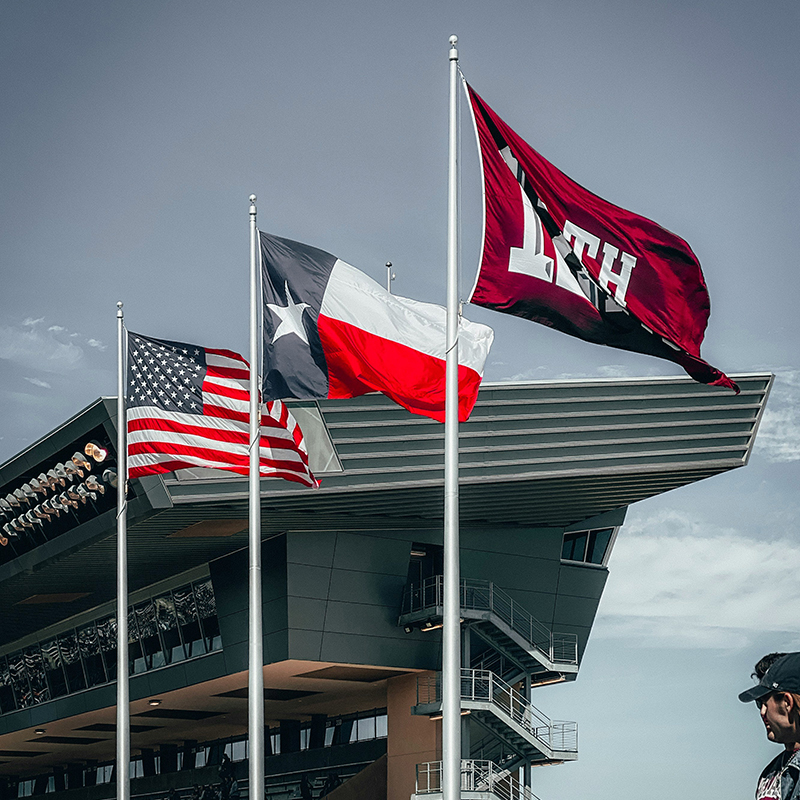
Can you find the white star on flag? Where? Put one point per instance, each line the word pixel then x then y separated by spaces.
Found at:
pixel 291 316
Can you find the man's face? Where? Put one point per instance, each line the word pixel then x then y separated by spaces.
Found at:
pixel 775 710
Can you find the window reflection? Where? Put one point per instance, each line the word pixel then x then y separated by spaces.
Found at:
pixel 19 679
pixel 68 644
pixel 207 609
pixel 168 627
pixel 89 644
pixel 174 626
pixel 6 691
pixel 588 547
pixel 35 669
pixel 188 621
pixel 107 635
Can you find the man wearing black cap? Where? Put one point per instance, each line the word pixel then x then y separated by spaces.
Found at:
pixel 777 696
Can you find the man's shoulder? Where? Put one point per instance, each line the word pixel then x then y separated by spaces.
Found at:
pixel 783 761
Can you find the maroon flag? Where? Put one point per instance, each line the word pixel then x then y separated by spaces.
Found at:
pixel 557 254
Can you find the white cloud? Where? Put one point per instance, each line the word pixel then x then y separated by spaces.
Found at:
pixel 37 382
pixel 52 349
pixel 676 581
pixel 40 349
pixel 779 435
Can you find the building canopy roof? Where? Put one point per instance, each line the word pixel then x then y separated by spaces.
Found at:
pixel 532 454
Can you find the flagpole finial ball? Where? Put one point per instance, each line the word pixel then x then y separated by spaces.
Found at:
pixel 252 198
pixel 453 41
pixel 119 304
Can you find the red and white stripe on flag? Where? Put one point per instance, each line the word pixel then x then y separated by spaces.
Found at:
pixel 378 341
pixel 161 440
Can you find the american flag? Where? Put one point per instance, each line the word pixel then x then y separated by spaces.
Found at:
pixel 189 406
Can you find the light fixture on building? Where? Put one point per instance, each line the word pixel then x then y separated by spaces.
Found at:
pixel 34 519
pixel 81 460
pixel 66 500
pixel 96 451
pixel 154 702
pixel 429 625
pixel 85 494
pixel 50 508
pixel 548 681
pixel 56 479
pixel 94 485
pixel 40 731
pixel 110 477
pixel 71 468
pixel 37 485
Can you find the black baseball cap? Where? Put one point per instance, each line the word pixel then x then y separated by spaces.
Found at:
pixel 782 676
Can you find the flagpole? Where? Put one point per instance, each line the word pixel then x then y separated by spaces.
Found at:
pixel 255 691
pixel 451 636
pixel 123 689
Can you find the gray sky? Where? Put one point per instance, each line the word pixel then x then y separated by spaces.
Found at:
pixel 132 134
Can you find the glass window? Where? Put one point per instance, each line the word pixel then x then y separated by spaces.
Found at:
pixel 239 750
pixel 589 547
pixel 365 729
pixel 19 679
pixel 136 662
pixel 35 669
pixel 148 633
pixel 7 702
pixel 168 626
pixel 54 669
pixel 68 645
pixel 598 543
pixel 207 609
pixel 107 636
pixel 381 726
pixel 89 645
pixel 188 621
pixel 574 546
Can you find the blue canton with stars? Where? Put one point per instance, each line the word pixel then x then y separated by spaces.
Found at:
pixel 165 374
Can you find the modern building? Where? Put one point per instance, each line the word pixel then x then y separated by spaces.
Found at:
pixel 351 590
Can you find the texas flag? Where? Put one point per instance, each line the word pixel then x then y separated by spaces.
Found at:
pixel 331 331
pixel 557 254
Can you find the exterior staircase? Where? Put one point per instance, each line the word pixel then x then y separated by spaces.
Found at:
pixel 507 714
pixel 510 653
pixel 500 621
pixel 480 780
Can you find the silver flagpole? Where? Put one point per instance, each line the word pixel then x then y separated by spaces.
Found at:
pixel 123 689
pixel 451 640
pixel 255 692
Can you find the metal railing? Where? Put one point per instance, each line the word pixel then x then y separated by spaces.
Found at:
pixel 478 595
pixel 476 776
pixel 485 687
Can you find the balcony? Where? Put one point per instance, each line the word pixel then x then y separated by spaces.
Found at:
pixel 499 619
pixel 480 780
pixel 507 714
